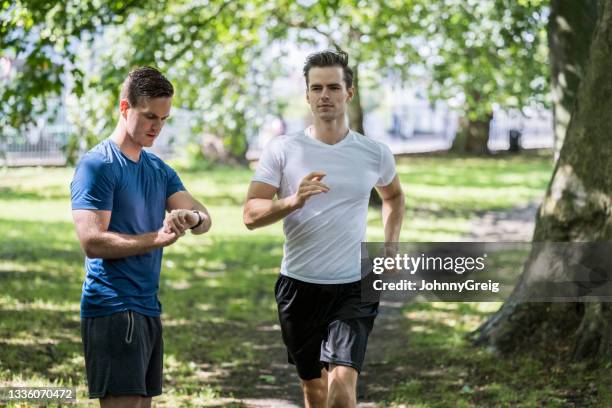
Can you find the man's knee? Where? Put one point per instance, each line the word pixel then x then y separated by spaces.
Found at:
pixel 342 392
pixel 315 390
pixel 341 397
pixel 125 401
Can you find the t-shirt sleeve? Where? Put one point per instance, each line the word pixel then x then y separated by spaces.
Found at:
pixel 269 169
pixel 386 171
pixel 93 184
pixel 174 183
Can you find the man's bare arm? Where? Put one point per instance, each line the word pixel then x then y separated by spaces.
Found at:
pixel 261 209
pixel 98 242
pixel 393 209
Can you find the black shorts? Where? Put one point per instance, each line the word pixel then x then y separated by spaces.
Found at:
pixel 123 354
pixel 323 324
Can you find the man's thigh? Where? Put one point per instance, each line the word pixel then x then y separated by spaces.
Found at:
pixel 348 332
pixel 302 311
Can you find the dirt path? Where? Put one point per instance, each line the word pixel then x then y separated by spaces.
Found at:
pixel 379 374
pixel 514 225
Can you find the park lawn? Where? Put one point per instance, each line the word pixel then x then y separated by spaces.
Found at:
pixel 444 370
pixel 220 323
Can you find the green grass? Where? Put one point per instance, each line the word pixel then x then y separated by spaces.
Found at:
pixel 452 373
pixel 217 291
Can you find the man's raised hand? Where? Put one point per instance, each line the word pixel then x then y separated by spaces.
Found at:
pixel 309 186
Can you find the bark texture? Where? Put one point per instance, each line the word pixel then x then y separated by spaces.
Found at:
pixel 473 136
pixel 577 208
pixel 570 28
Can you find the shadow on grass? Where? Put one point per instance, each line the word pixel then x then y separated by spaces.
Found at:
pixel 219 313
pixel 39 342
pixel 446 371
pixel 222 336
pixel 220 317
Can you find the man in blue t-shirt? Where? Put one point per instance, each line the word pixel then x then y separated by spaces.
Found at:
pixel 128 205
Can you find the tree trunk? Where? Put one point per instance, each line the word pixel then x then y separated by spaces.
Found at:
pixel 472 136
pixel 570 28
pixel 577 208
pixel 355 112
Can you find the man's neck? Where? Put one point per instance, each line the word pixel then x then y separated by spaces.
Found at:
pixel 129 148
pixel 330 132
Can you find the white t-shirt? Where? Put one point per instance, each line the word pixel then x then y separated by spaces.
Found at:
pixel 323 238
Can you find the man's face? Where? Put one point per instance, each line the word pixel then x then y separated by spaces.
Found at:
pixel 145 120
pixel 327 93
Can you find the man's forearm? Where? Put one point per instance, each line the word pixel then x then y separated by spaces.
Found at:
pixel 113 245
pixel 393 211
pixel 259 212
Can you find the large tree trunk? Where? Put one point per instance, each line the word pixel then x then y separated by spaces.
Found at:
pixel 570 29
pixel 472 136
pixel 577 208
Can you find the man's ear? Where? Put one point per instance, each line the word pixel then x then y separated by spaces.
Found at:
pixel 124 105
pixel 351 93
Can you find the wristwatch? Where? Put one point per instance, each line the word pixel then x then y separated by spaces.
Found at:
pixel 200 220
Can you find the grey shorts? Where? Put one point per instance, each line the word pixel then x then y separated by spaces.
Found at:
pixel 123 354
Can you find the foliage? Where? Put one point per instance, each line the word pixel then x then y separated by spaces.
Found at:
pixel 219 54
pixel 213 53
pixel 487 52
pixel 39 37
pixel 223 55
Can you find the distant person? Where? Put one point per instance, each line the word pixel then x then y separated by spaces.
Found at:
pixel 322 177
pixel 396 127
pixel 120 195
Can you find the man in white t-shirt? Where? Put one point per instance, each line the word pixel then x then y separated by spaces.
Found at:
pixel 322 178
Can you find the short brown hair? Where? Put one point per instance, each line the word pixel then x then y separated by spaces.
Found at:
pixel 145 82
pixel 330 58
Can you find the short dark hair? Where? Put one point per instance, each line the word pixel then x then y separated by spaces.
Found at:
pixel 145 82
pixel 330 58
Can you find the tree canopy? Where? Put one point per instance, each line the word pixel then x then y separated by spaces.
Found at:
pixel 224 55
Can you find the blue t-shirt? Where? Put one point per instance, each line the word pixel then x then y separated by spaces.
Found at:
pixel 136 194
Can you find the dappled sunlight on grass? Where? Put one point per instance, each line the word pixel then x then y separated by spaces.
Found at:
pixel 220 322
pixel 454 373
pixel 9 303
pixel 470 199
pixel 35 183
pixel 460 317
pixel 451 183
pixel 419 228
